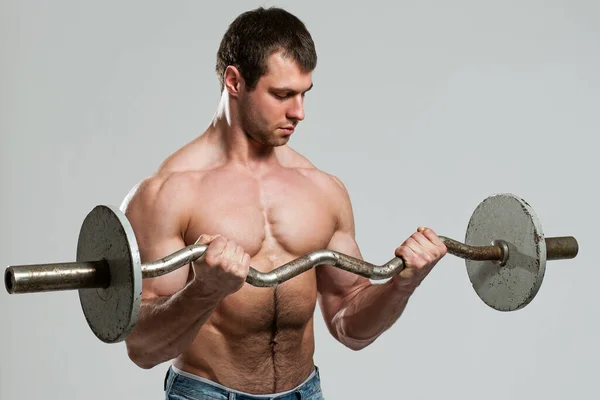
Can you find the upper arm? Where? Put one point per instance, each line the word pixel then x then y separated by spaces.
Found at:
pixel 335 286
pixel 158 219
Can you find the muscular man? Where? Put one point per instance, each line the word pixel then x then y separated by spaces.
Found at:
pixel 239 188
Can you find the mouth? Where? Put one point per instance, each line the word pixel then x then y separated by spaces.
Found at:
pixel 288 129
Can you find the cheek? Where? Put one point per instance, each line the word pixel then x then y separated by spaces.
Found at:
pixel 270 110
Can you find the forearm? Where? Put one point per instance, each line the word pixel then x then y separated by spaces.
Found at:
pixel 369 313
pixel 167 326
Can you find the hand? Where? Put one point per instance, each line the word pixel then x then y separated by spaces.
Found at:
pixel 223 268
pixel 420 252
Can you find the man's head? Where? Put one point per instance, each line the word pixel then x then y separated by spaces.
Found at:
pixel 265 62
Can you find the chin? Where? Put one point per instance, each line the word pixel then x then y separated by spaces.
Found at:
pixel 277 140
pixel 283 141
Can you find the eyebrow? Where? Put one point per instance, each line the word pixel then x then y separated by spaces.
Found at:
pixel 290 90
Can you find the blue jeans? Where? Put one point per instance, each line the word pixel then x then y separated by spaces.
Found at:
pixel 180 385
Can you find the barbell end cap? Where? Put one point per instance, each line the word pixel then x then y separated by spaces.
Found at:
pixel 9 280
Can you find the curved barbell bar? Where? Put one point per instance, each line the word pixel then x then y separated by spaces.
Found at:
pixel 78 275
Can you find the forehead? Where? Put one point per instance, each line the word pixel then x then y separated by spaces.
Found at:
pixel 284 71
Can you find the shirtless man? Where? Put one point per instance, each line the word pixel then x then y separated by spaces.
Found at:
pixel 240 189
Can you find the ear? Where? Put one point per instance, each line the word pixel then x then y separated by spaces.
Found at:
pixel 233 81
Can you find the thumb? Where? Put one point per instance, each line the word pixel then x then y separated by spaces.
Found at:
pixel 206 238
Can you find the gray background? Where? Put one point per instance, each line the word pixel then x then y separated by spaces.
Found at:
pixel 422 108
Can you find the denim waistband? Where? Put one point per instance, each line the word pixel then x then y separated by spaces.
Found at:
pixel 184 385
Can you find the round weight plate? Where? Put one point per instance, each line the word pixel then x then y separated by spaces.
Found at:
pixel 111 313
pixel 508 218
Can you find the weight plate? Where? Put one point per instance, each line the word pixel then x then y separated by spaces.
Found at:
pixel 508 218
pixel 106 234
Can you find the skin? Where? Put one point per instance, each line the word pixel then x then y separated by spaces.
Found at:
pixel 240 188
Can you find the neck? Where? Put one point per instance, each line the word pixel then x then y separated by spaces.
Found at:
pixel 236 144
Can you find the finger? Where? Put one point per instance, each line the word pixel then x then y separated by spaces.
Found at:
pixel 246 260
pixel 415 246
pixel 229 252
pixel 238 256
pixel 426 245
pixel 238 270
pixel 408 256
pixel 204 239
pixel 216 247
pixel 433 237
pixel 421 239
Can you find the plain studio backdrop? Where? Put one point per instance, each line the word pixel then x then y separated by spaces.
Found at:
pixel 423 109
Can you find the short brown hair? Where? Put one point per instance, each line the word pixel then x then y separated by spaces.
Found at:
pixel 256 34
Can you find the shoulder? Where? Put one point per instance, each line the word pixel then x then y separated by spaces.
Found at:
pixel 331 185
pixel 160 193
pixel 175 181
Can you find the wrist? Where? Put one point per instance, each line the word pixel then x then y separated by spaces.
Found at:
pixel 197 290
pixel 401 286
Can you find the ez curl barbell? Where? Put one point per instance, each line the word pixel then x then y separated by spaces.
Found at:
pixel 505 253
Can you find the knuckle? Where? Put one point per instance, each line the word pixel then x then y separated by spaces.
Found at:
pixel 237 271
pixel 402 252
pixel 224 263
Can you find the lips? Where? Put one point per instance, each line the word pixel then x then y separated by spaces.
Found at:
pixel 288 129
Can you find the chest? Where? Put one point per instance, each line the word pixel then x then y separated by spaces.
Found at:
pixel 275 219
pixel 280 214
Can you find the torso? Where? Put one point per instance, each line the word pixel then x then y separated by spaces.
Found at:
pixel 260 340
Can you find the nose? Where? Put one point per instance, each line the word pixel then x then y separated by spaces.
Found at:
pixel 296 110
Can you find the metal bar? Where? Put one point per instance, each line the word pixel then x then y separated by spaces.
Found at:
pixel 477 253
pixel 561 248
pixel 173 261
pixel 56 277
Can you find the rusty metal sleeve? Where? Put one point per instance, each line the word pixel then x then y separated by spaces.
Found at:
pixel 56 277
pixel 561 248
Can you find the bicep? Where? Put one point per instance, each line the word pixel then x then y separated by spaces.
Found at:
pixel 170 283
pixel 336 286
pixel 336 281
pixel 156 221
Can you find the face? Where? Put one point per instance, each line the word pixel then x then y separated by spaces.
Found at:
pixel 270 112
